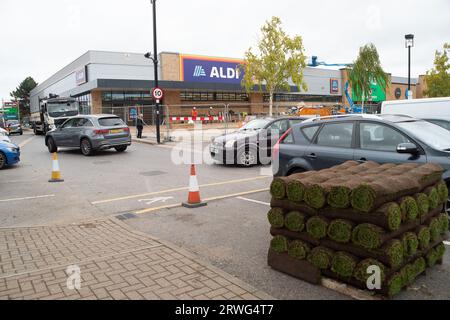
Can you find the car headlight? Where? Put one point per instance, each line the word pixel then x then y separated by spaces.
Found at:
pixel 12 149
pixel 230 144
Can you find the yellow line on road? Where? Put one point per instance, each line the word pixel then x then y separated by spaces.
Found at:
pixel 25 142
pixel 205 200
pixel 179 189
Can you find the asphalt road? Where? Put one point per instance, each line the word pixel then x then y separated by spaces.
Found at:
pixel 232 232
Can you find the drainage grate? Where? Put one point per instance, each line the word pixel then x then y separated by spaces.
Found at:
pixel 152 173
pixel 126 216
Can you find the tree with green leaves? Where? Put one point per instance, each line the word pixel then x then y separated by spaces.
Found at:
pixel 22 94
pixel 278 59
pixel 365 70
pixel 438 78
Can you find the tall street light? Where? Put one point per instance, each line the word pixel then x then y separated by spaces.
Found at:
pixel 409 43
pixel 155 64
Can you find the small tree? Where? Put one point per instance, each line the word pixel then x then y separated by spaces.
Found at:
pixel 279 58
pixel 366 69
pixel 22 94
pixel 438 78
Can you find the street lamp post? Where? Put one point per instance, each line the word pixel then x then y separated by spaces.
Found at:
pixel 409 43
pixel 155 64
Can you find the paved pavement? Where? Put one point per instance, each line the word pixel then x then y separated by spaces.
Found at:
pixel 115 262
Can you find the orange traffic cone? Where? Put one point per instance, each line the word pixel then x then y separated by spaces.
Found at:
pixel 194 192
pixel 56 173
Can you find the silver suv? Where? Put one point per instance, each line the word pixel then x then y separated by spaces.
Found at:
pixel 90 133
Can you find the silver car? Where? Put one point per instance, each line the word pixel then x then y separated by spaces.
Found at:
pixel 90 133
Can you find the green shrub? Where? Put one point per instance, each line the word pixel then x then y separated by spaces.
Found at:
pixel 340 230
pixel 298 249
pixel 424 237
pixel 317 227
pixel 367 235
pixel 410 243
pixel 278 188
pixel 321 257
pixel 276 217
pixel 295 221
pixel 409 208
pixel 279 244
pixel 422 203
pixel 362 267
pixel 315 196
pixel 343 264
pixel 295 191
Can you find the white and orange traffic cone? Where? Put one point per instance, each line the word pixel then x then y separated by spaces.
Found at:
pixel 56 173
pixel 194 200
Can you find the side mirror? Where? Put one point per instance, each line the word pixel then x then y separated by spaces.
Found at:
pixel 410 148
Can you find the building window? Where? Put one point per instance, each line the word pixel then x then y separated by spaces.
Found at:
pixel 85 103
pixel 213 96
pixel 286 97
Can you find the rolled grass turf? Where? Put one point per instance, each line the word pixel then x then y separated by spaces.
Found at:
pixel 409 209
pixel 295 221
pixel 278 188
pixel 395 284
pixel 395 252
pixel 443 223
pixel 321 257
pixel 440 250
pixel 368 236
pixel 295 190
pixel 315 196
pixel 432 257
pixel 361 271
pixel 279 244
pixel 393 213
pixel 433 197
pixel 276 217
pixel 435 229
pixel 340 230
pixel 408 274
pixel 339 191
pixel 317 227
pixel 442 191
pixel 422 203
pixel 420 266
pixel 424 237
pixel 298 249
pixel 410 244
pixel 343 264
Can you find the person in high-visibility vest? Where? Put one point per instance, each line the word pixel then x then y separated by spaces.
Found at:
pixel 194 113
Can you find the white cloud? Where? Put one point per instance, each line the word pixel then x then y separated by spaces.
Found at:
pixel 44 36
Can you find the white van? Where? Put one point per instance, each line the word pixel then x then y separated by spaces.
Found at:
pixel 435 110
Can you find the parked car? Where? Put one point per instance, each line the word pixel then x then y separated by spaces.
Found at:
pixel 14 126
pixel 9 154
pixel 250 143
pixel 322 143
pixel 90 133
pixel 4 135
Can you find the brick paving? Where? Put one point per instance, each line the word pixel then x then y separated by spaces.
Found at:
pixel 115 261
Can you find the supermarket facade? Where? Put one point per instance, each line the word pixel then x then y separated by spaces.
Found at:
pixel 114 82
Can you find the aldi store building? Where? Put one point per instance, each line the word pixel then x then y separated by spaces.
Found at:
pixel 115 83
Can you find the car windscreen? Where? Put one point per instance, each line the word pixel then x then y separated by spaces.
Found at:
pixel 62 109
pixel 111 122
pixel 256 124
pixel 433 135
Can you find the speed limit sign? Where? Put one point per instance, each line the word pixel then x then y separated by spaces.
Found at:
pixel 157 94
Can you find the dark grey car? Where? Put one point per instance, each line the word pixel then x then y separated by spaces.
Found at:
pixel 320 144
pixel 90 133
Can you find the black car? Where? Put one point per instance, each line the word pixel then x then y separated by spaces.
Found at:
pixel 322 143
pixel 251 144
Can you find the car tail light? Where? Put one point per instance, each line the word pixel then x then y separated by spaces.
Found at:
pixel 99 132
pixel 126 129
pixel 276 148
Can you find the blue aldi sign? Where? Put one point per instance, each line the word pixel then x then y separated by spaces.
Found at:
pixel 211 70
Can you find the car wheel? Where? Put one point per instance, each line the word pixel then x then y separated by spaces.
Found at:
pixel 247 158
pixel 121 148
pixel 2 160
pixel 51 145
pixel 86 147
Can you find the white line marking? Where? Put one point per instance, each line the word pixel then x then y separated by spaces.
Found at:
pixel 447 243
pixel 28 198
pixel 254 201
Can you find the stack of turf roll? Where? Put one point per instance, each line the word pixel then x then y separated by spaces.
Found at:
pixel 349 220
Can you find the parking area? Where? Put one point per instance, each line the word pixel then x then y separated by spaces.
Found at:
pixel 143 189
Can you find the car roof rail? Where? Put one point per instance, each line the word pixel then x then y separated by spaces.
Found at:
pixel 340 116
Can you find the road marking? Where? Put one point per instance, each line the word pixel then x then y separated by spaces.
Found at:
pixel 447 243
pixel 28 198
pixel 179 189
pixel 25 142
pixel 206 200
pixel 254 201
pixel 154 200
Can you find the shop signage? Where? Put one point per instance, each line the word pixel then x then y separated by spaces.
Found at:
pixel 376 94
pixel 334 86
pixel 81 76
pixel 212 70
